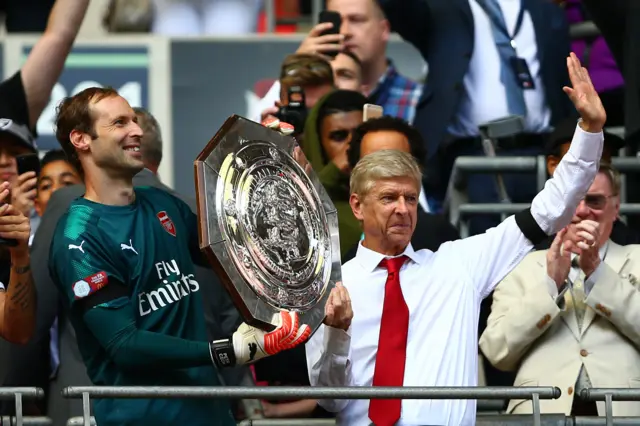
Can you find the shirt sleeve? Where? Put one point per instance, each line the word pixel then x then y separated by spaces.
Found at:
pixel 328 363
pixel 81 266
pixel 488 257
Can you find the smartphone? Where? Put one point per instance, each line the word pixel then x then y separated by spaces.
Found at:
pixel 28 163
pixel 371 111
pixel 336 20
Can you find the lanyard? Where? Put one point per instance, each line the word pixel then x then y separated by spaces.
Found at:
pixel 499 22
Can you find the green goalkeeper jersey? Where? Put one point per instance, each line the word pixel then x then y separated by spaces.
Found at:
pixel 126 276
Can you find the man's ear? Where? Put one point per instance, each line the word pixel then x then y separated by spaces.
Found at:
pixel 356 206
pixel 80 140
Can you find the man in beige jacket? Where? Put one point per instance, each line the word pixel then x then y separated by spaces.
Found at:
pixel 570 316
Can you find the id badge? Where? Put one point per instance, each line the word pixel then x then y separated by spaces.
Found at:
pixel 523 74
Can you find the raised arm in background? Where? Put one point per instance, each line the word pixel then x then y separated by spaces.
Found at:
pixel 46 60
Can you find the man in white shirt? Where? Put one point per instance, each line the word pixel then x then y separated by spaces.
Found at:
pixel 582 311
pixel 419 328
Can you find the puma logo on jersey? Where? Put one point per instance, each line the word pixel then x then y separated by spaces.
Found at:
pixel 75 247
pixel 128 247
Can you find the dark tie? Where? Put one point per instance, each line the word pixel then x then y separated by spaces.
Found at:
pixel 515 94
pixel 392 345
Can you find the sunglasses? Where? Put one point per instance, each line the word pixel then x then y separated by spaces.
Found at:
pixel 316 67
pixel 596 201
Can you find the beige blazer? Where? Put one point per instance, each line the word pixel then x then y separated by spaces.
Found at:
pixel 528 333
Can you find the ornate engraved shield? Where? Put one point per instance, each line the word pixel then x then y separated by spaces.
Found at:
pixel 266 223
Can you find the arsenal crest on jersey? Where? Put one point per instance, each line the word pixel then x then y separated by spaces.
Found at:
pixel 167 223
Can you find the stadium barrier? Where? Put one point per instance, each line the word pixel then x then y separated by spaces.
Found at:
pixel 610 395
pixel 312 392
pixel 19 393
pixel 458 207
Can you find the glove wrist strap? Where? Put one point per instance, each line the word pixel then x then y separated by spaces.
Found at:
pixel 222 353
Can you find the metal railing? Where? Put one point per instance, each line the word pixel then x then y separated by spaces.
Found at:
pixel 608 396
pixel 18 393
pixel 457 200
pixel 287 393
pixel 26 421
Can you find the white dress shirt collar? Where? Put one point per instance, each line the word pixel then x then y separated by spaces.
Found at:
pixel 370 260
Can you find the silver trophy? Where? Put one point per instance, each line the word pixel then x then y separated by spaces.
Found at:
pixel 266 224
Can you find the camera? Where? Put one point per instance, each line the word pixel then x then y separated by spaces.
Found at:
pixel 295 112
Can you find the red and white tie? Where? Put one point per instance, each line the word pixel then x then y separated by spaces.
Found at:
pixel 392 345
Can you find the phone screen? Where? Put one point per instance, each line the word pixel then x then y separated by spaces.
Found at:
pixel 28 163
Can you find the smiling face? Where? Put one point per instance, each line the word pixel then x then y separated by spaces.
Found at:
pixel 53 176
pixel 115 145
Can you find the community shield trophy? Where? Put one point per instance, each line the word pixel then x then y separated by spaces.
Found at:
pixel 266 223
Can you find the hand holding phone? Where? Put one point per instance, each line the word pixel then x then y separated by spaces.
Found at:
pixel 371 111
pixel 324 39
pixel 24 191
pixel 4 197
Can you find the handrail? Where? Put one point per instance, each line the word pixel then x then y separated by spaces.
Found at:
pixel 315 392
pixel 18 393
pixel 608 395
pixel 26 421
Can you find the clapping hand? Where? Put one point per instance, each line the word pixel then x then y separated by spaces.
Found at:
pixel 586 237
pixel 338 312
pixel 559 258
pixel 584 96
pixel 14 225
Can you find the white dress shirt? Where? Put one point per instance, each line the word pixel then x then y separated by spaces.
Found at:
pixel 443 291
pixel 485 97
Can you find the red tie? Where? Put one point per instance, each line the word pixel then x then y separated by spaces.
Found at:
pixel 392 345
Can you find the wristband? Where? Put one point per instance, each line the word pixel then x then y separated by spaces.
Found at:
pixel 222 353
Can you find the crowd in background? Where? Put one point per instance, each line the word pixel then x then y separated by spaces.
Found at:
pixel 488 60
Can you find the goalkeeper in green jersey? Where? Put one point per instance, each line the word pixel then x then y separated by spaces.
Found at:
pixel 123 259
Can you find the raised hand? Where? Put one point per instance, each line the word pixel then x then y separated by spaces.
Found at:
pixel 338 312
pixel 559 258
pixel 24 192
pixel 584 96
pixel 317 44
pixel 14 225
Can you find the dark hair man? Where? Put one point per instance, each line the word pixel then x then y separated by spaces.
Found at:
pixel 123 259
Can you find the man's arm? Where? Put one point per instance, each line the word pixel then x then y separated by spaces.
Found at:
pixel 46 61
pixel 616 299
pixel 523 309
pixel 488 257
pixel 328 351
pixel 18 303
pixel 410 19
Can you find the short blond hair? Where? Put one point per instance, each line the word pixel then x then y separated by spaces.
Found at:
pixel 383 164
pixel 612 175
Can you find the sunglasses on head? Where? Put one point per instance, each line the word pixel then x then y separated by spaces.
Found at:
pixel 596 201
pixel 293 69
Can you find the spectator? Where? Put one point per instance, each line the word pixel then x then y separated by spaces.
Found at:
pixel 312 73
pixel 423 308
pixel 476 76
pixel 210 17
pixel 347 71
pixel 327 134
pixel 55 172
pixel 386 132
pixel 365 33
pixel 26 16
pixel 598 59
pixel 17 293
pixel 558 146
pixel 575 305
